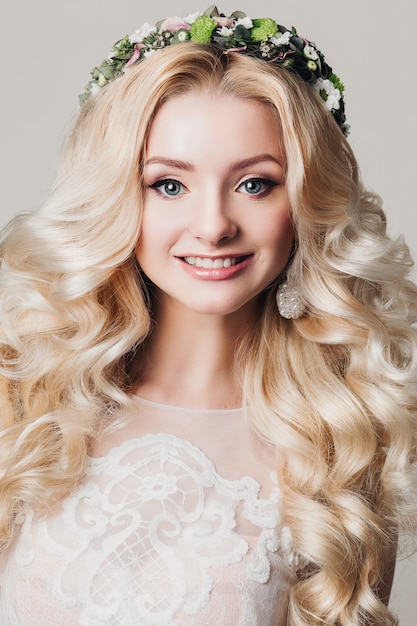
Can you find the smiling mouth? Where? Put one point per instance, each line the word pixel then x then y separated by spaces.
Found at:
pixel 217 263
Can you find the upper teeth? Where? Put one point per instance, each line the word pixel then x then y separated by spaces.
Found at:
pixel 206 262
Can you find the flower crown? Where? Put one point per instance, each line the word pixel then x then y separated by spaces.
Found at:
pixel 261 38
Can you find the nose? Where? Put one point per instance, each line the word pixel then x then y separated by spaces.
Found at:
pixel 212 220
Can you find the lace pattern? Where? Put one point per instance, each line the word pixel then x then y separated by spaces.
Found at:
pixel 153 536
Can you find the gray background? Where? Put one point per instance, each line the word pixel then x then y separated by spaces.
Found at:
pixel 49 47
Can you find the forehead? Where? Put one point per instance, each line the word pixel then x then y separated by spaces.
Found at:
pixel 193 122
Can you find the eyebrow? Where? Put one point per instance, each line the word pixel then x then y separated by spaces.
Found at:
pixel 239 165
pixel 259 158
pixel 174 163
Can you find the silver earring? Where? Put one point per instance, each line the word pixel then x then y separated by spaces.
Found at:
pixel 289 301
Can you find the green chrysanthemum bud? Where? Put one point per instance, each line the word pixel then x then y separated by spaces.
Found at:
pixel 288 63
pixel 263 29
pixel 201 29
pixel 337 82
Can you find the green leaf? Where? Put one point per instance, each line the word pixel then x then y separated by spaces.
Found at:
pixel 242 33
pixel 212 11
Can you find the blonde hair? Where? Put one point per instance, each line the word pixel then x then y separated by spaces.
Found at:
pixel 333 392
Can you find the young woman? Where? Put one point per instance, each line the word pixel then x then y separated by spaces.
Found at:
pixel 208 365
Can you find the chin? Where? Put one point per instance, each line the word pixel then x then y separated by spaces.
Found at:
pixel 222 309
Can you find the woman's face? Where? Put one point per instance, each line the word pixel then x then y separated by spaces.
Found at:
pixel 216 226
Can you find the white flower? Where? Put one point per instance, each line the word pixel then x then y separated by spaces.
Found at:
pixel 244 21
pixel 330 94
pixel 225 32
pixel 149 53
pixel 310 53
pixel 144 31
pixel 190 19
pixel 93 88
pixel 283 39
pixel 182 35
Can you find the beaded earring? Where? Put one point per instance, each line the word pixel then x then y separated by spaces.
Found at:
pixel 289 301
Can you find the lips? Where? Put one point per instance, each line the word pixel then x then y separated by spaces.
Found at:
pixel 209 263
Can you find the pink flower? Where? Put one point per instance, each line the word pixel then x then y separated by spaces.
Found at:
pixel 223 21
pixel 234 49
pixel 172 24
pixel 136 53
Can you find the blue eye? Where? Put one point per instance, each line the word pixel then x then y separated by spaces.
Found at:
pixel 168 187
pixel 253 186
pixel 256 186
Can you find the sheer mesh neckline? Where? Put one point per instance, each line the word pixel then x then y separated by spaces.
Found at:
pixel 224 436
pixel 178 521
pixel 173 408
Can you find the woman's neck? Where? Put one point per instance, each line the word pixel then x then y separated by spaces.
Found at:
pixel 190 359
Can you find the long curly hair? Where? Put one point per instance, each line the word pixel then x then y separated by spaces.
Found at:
pixel 333 392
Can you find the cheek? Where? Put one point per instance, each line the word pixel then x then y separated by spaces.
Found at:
pixel 281 236
pixel 154 237
pixel 147 242
pixel 138 252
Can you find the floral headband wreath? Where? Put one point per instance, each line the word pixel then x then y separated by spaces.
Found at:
pixel 261 38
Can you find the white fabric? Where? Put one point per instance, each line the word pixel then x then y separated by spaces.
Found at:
pixel 157 534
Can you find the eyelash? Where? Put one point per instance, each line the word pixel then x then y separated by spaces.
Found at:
pixel 266 183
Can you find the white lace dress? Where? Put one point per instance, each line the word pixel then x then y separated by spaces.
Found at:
pixel 164 530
